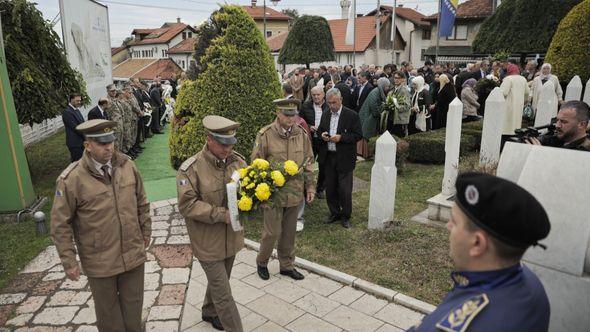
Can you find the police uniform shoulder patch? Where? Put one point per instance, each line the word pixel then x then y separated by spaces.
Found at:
pixel 68 169
pixel 461 316
pixel 187 163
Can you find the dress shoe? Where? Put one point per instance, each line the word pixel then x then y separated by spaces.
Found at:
pixel 345 223
pixel 333 218
pixel 158 132
pixel 294 274
pixel 320 195
pixel 262 272
pixel 214 320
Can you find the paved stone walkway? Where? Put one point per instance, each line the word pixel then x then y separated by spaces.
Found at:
pixel 42 299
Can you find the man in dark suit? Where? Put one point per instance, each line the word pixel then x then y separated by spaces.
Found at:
pixel 362 90
pixel 324 74
pixel 344 91
pixel 98 112
pixel 71 118
pixel 157 106
pixel 340 130
pixel 312 111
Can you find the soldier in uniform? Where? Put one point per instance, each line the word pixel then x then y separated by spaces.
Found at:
pixel 278 142
pixel 127 123
pixel 202 200
pixel 100 203
pixel 493 222
pixel 132 118
pixel 115 114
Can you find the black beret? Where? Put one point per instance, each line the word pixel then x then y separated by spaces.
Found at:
pixel 502 208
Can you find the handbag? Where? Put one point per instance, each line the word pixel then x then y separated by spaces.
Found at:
pixel 528 112
pixel 421 119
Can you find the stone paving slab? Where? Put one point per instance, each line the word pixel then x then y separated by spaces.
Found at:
pixel 42 299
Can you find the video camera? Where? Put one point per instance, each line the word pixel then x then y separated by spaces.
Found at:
pixel 521 135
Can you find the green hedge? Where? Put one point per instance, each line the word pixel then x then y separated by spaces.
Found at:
pixel 401 155
pixel 568 52
pixel 429 147
pixel 239 82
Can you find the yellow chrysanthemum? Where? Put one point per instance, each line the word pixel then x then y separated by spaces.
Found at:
pixel 291 167
pixel 252 174
pixel 277 178
pixel 251 185
pixel 263 192
pixel 245 203
pixel 245 181
pixel 261 164
pixel 243 172
pixel 263 175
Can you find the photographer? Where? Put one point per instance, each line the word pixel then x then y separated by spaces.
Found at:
pixel 570 129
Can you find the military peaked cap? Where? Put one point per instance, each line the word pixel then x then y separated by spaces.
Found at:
pixel 222 129
pixel 99 130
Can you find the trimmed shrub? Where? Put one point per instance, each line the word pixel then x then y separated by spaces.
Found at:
pixel 239 82
pixel 429 147
pixel 569 53
pixel 522 26
pixel 40 75
pixel 310 40
pixel 401 154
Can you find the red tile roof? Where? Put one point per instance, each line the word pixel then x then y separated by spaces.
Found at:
pixel 271 14
pixel 115 50
pixel 471 9
pixel 158 35
pixel 146 69
pixel 365 33
pixel 405 13
pixel 185 46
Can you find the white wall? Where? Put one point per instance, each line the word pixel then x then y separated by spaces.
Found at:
pixel 179 57
pixel 157 48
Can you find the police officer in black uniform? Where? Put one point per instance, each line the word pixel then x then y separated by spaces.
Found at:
pixel 493 222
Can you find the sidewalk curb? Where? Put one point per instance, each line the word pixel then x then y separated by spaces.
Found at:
pixel 366 286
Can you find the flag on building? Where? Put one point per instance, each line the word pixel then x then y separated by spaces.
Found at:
pixel 448 11
pixel 349 40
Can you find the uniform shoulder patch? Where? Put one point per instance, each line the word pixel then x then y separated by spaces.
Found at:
pixel 302 128
pixel 187 163
pixel 239 155
pixel 64 174
pixel 462 315
pixel 264 129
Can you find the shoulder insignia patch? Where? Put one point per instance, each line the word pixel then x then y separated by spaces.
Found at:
pixel 239 155
pixel 461 316
pixel 68 169
pixel 187 163
pixel 264 129
pixel 303 129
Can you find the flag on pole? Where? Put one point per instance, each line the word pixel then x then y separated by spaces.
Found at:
pixel 350 25
pixel 448 11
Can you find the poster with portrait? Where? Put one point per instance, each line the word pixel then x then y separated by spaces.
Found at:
pixel 86 36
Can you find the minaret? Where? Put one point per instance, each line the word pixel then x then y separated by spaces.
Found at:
pixel 345 5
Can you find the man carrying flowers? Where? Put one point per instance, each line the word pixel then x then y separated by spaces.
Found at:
pixel 286 143
pixel 202 201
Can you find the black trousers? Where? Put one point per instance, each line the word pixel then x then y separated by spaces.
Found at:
pixel 338 188
pixel 156 114
pixel 322 172
pixel 139 136
pixel 76 152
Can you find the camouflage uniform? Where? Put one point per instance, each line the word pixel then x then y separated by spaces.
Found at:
pixel 134 117
pixel 115 113
pixel 127 123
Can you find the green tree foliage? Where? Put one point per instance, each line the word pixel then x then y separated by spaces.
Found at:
pixel 293 13
pixel 206 32
pixel 40 74
pixel 239 82
pixel 310 40
pixel 521 26
pixel 569 53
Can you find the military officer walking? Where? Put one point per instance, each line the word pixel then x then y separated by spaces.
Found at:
pixel 493 222
pixel 100 203
pixel 278 142
pixel 202 200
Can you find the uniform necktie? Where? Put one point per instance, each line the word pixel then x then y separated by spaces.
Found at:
pixel 107 175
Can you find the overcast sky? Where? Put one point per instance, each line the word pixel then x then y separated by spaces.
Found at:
pixel 125 15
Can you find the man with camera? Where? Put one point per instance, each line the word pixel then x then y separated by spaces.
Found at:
pixel 570 129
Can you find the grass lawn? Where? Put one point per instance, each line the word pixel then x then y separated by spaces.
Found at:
pixel 410 257
pixel 18 242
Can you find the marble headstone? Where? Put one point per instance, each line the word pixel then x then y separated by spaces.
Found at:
pixel 547 105
pixel 586 98
pixel 452 147
pixel 492 128
pixel 383 183
pixel 512 160
pixel 573 91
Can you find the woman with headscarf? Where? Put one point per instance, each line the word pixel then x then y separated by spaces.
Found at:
pixel 446 94
pixel 352 82
pixel 516 92
pixel 540 80
pixel 370 114
pixel 420 102
pixel 469 99
pixel 402 115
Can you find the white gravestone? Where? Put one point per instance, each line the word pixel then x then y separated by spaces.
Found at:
pixel 557 178
pixel 383 182
pixel 587 93
pixel 547 106
pixel 452 147
pixel 492 128
pixel 573 91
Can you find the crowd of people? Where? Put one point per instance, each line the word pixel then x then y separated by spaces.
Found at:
pixel 139 110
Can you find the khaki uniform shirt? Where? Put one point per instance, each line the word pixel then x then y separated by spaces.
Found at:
pixel 107 221
pixel 202 200
pixel 277 146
